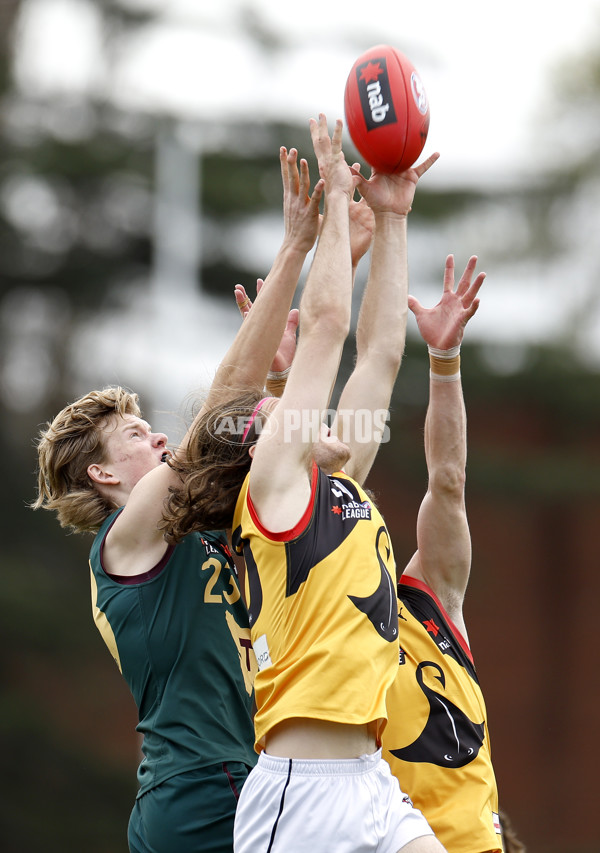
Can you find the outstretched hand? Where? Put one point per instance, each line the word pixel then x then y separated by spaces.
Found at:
pixel 443 326
pixel 362 228
pixel 333 169
pixel 287 346
pixel 300 208
pixel 391 193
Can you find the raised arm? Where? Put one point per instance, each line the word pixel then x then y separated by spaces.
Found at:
pixel 247 362
pixel 443 556
pixel 280 473
pixel 362 227
pixel 137 534
pixel 282 360
pixel 381 330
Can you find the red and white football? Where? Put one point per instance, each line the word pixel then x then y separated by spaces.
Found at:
pixel 386 107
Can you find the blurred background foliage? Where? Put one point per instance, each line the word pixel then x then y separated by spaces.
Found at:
pixel 80 226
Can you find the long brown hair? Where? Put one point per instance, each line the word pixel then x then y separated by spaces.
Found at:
pixel 212 470
pixel 67 446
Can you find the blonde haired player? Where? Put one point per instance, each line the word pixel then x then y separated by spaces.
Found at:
pixel 172 615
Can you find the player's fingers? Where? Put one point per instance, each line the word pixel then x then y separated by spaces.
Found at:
pixel 472 309
pixel 317 192
pixel 319 133
pixel 292 165
pixel 465 279
pixel 426 164
pixel 359 179
pixel 414 304
pixel 336 139
pixel 474 289
pixel 293 320
pixel 283 164
pixel 244 303
pixel 449 274
pixel 304 178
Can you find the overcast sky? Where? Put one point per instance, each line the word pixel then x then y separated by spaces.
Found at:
pixel 487 68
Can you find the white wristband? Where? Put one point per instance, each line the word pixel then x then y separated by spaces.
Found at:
pixel 444 353
pixel 439 377
pixel 279 374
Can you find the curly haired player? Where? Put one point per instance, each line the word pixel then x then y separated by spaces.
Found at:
pixel 319 563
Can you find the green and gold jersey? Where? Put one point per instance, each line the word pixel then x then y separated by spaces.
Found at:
pixel 322 606
pixel 179 635
pixel 436 740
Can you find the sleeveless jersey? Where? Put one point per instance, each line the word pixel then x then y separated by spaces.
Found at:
pixel 323 610
pixel 436 740
pixel 180 636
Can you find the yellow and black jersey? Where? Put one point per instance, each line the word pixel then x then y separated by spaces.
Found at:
pixel 322 605
pixel 436 740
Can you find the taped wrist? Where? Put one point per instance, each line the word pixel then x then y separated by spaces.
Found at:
pixel 276 380
pixel 444 364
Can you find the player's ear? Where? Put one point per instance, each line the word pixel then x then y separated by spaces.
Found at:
pixel 251 450
pixel 98 474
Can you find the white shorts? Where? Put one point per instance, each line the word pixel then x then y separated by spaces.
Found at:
pixel 309 806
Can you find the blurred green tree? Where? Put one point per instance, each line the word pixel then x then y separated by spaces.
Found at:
pixel 78 207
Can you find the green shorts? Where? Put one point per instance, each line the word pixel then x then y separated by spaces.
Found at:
pixel 189 813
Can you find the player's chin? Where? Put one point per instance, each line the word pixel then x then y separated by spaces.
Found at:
pixel 331 456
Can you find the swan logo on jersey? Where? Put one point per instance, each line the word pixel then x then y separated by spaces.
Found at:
pixel 381 607
pixel 350 509
pixel 449 738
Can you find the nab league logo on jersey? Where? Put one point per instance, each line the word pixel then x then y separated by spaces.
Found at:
pixel 440 640
pixel 351 508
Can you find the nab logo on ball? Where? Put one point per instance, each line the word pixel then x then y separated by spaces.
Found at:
pixel 387 111
pixel 374 92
